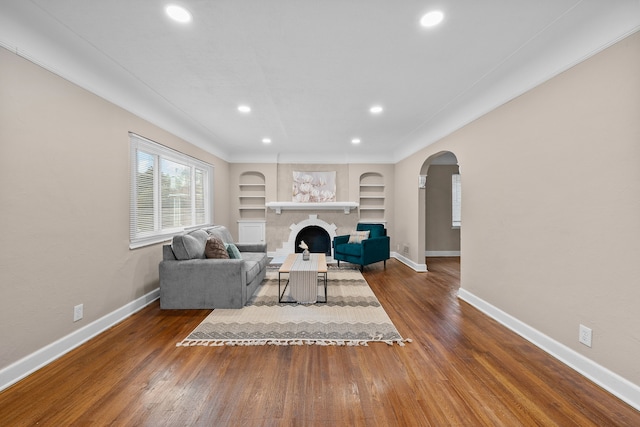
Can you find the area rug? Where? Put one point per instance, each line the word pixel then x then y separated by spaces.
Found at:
pixel 352 316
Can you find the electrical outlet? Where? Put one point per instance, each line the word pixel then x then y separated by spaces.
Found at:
pixel 78 312
pixel 584 335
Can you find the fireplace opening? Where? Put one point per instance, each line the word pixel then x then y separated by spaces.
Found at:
pixel 316 238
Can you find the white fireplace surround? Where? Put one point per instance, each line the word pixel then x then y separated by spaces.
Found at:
pixel 288 247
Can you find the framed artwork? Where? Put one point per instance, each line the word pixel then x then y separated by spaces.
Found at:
pixel 314 187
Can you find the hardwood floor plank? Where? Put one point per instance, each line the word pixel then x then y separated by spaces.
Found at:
pixel 461 369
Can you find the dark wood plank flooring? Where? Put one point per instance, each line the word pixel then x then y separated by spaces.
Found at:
pixel 462 369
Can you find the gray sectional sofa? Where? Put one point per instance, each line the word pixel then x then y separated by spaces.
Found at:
pixel 189 280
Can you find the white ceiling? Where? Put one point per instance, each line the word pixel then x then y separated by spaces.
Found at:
pixel 310 69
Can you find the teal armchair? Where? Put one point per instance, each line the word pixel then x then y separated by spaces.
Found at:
pixel 370 250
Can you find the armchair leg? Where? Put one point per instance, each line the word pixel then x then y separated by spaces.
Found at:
pixel 338 263
pixel 361 268
pixel 385 263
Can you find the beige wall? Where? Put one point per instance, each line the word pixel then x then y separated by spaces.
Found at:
pixel 439 234
pixel 550 207
pixel 64 210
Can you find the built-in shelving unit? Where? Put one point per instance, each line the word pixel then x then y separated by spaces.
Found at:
pixel 372 197
pixel 252 207
pixel 252 196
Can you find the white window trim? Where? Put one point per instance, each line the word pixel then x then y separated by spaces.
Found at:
pixel 456 201
pixel 140 143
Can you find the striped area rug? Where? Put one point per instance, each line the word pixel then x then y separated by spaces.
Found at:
pixel 352 316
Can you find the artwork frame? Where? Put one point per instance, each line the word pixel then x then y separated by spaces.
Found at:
pixel 314 187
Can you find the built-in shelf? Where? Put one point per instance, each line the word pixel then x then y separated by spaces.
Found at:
pixel 252 196
pixel 372 197
pixel 278 207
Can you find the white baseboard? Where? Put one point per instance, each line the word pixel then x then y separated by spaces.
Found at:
pixel 31 363
pixel 420 268
pixel 610 381
pixel 441 253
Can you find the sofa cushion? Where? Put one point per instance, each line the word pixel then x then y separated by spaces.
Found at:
pixel 215 249
pixel 349 249
pixel 187 246
pixel 199 234
pixel 358 236
pixel 376 232
pixel 221 232
pixel 255 262
pixel 233 251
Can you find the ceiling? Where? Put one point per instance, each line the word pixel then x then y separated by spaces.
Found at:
pixel 310 70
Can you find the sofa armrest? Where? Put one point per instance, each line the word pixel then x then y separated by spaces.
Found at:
pixel 380 242
pixel 203 283
pixel 376 248
pixel 251 247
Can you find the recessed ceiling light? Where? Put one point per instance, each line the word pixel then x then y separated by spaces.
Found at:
pixel 355 141
pixel 376 109
pixel 432 19
pixel 178 13
pixel 266 140
pixel 244 109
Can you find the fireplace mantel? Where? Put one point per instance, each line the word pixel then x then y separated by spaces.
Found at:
pixel 333 206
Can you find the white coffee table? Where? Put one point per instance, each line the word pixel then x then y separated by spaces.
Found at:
pixel 303 278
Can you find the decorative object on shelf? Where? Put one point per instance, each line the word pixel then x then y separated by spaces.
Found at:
pixel 305 250
pixel 422 181
pixel 314 187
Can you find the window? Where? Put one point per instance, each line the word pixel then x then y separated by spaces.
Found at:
pixel 456 211
pixel 170 192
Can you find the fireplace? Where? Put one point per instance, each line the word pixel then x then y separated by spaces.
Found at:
pixel 316 238
pixel 316 233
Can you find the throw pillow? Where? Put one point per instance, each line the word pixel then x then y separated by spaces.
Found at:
pixel 234 252
pixel 215 249
pixel 358 236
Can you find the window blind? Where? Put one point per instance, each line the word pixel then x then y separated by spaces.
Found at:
pixel 170 192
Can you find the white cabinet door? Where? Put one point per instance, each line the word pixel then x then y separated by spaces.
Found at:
pixel 251 232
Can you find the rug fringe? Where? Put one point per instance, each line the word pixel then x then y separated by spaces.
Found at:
pixel 287 342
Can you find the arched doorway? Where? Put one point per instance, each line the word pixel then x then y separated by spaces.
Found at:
pixel 439 228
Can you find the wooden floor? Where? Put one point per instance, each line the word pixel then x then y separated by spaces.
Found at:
pixel 461 369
